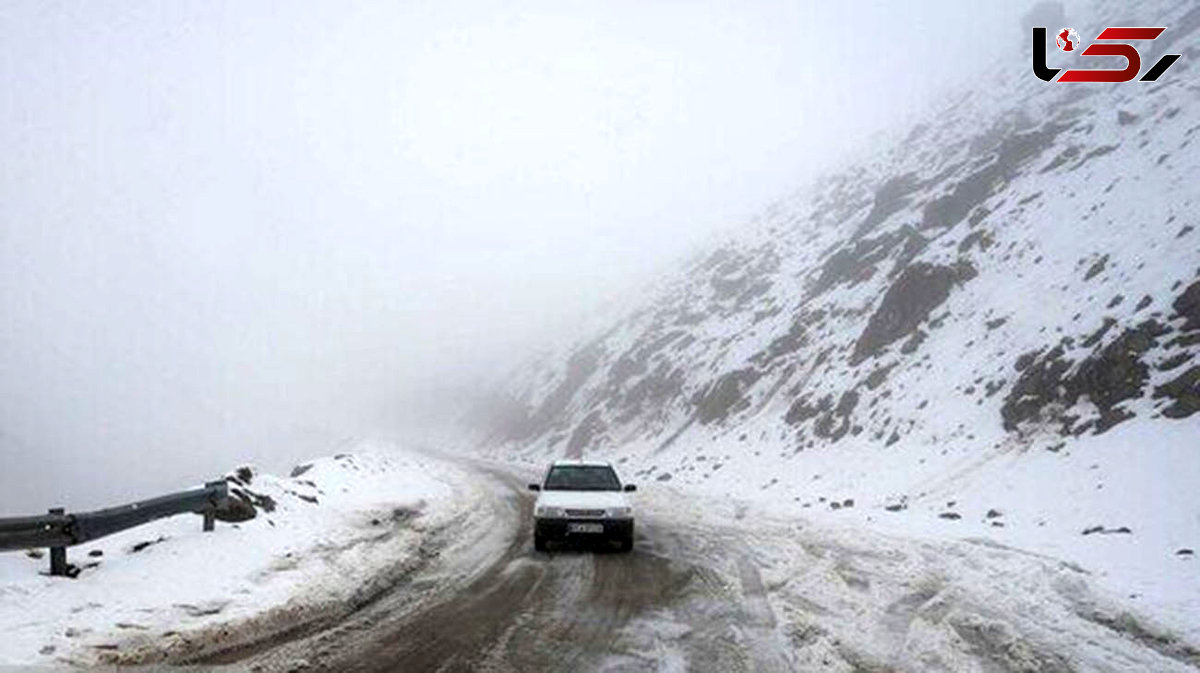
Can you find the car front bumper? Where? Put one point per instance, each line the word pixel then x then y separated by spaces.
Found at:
pixel 558 529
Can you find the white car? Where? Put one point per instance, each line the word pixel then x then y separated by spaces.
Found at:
pixel 582 500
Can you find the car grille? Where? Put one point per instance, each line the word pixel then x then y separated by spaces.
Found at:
pixel 593 513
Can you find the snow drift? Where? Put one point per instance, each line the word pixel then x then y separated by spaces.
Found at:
pixel 321 543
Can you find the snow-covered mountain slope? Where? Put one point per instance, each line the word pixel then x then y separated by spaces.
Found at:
pixel 991 328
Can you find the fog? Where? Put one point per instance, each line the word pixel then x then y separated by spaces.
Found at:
pixel 247 232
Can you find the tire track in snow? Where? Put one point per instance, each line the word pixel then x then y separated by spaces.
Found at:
pixel 704 592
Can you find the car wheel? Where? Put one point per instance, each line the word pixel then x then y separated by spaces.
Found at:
pixel 539 542
pixel 627 544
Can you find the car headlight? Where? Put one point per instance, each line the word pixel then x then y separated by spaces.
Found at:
pixel 548 512
pixel 619 512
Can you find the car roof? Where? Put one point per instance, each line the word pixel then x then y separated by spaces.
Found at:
pixel 589 463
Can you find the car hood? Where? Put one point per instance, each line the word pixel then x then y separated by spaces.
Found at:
pixel 582 499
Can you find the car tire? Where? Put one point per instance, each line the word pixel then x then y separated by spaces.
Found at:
pixel 627 544
pixel 539 543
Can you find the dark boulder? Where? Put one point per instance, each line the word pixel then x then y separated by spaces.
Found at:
pixel 242 504
pixel 235 510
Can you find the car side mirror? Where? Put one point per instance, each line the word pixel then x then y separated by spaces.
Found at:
pixel 535 487
pixel 630 488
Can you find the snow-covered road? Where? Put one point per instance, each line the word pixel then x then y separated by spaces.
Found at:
pixel 719 586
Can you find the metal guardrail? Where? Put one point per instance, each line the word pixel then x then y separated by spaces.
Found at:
pixel 58 530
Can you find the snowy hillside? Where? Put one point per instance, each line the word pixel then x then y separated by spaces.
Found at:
pixel 991 328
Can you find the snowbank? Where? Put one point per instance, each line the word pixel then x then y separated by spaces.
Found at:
pixel 1102 503
pixel 848 598
pixel 339 531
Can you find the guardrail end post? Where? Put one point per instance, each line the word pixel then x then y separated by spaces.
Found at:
pixel 210 513
pixel 58 555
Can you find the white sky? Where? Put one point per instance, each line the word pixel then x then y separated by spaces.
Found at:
pixel 238 231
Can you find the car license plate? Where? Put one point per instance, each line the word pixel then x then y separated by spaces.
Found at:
pixel 585 528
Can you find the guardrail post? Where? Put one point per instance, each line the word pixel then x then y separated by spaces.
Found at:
pixel 210 512
pixel 58 555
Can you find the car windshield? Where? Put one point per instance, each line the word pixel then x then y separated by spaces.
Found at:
pixel 582 478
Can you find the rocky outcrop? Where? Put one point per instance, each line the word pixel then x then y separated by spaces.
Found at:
pixel 725 396
pixel 1183 392
pixel 907 303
